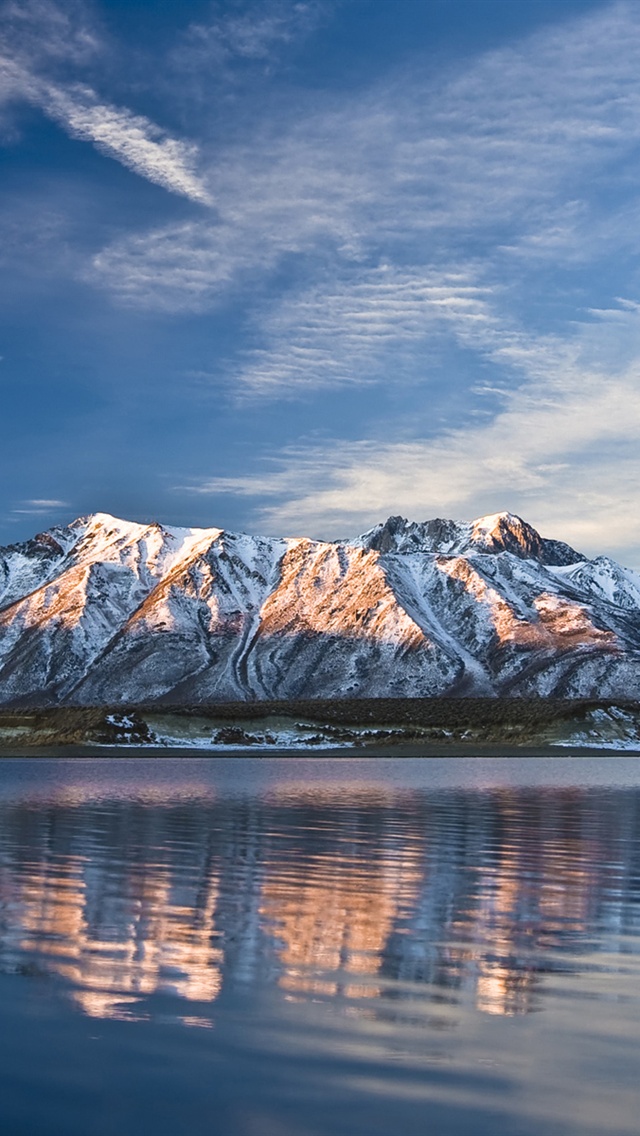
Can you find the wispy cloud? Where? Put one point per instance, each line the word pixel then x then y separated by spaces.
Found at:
pixel 354 231
pixel 130 138
pixel 410 172
pixel 39 37
pixel 46 32
pixel 352 330
pixel 268 211
pixel 365 211
pixel 40 40
pixel 39 507
pixel 179 267
pixel 562 451
pixel 248 32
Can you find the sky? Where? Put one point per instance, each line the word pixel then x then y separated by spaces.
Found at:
pixel 294 266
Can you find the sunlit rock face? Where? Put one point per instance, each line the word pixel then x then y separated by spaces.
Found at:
pixel 108 611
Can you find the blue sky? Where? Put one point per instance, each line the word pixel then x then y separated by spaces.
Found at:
pixel 291 267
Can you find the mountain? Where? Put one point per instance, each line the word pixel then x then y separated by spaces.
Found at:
pixel 105 611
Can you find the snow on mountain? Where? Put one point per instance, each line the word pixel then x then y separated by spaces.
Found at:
pixel 112 612
pixel 498 532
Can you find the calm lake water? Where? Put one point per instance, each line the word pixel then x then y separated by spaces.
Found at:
pixel 309 946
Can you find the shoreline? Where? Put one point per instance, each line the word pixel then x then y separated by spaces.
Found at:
pixel 347 727
pixel 414 750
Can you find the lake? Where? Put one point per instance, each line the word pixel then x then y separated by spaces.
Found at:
pixel 305 946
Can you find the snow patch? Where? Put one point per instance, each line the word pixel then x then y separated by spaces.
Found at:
pixel 612 729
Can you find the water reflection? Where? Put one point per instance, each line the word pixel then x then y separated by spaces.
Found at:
pixel 333 911
pixel 376 898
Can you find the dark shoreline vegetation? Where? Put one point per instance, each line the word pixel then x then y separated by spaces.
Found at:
pixel 333 723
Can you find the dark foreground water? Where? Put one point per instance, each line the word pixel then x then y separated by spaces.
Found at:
pixel 305 947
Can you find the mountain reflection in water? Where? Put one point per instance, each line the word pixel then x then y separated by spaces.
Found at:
pixel 375 898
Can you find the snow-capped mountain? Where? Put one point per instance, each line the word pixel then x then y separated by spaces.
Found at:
pixel 105 611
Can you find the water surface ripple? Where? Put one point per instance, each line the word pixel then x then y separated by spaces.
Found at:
pixel 313 946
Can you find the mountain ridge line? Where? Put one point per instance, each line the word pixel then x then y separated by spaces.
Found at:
pixel 110 612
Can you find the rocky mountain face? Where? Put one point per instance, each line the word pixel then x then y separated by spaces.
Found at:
pixel 105 611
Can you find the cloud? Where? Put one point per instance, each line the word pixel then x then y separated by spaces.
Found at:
pixel 46 33
pixel 178 267
pixel 409 173
pixel 250 32
pixel 131 139
pixel 347 231
pixel 39 507
pixel 267 212
pixel 352 232
pixel 562 452
pixel 352 330
pixel 43 40
pixel 39 41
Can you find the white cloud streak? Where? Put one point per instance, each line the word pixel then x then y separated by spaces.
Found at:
pixel 39 507
pixel 39 37
pixel 130 138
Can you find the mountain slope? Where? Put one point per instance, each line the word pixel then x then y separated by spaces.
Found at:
pixel 105 611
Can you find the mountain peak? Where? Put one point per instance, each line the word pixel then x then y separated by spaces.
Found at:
pixel 492 534
pixel 497 522
pixel 105 611
pixel 506 532
pixel 108 521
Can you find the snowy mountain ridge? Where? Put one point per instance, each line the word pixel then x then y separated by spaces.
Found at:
pixel 105 611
